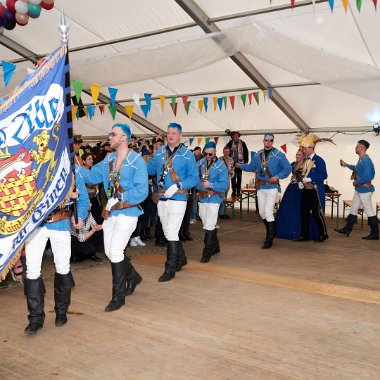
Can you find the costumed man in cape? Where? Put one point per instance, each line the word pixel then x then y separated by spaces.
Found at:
pixel 212 184
pixel 177 172
pixel 362 174
pixel 313 197
pixel 55 228
pixel 271 165
pixel 123 173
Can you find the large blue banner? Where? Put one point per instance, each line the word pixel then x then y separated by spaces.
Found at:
pixel 35 169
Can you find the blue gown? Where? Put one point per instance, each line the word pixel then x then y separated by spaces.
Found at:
pixel 288 218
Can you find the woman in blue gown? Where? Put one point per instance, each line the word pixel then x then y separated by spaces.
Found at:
pixel 288 218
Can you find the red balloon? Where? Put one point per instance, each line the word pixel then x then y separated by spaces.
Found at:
pixel 11 5
pixel 47 6
pixel 2 9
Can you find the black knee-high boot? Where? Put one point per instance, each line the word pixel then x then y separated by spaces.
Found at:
pixel 270 235
pixel 182 259
pixel 374 224
pixel 215 242
pixel 34 291
pixel 133 278
pixel 119 278
pixel 350 221
pixel 63 283
pixel 208 248
pixel 171 261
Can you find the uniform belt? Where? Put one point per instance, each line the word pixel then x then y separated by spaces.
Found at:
pixel 367 185
pixel 261 182
pixel 57 216
pixel 208 194
pixel 162 192
pixel 117 206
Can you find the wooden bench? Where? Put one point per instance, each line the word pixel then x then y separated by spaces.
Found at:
pixel 348 204
pixel 230 203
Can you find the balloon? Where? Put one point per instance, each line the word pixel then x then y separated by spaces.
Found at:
pixel 11 5
pixel 36 2
pixel 1 23
pixel 2 9
pixel 47 6
pixel 21 7
pixel 9 16
pixel 34 10
pixel 9 24
pixel 21 19
pixel 48 1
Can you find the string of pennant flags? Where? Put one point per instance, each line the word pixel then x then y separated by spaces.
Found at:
pixel 332 4
pixel 201 104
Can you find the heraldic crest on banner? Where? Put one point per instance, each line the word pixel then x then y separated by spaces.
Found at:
pixel 35 168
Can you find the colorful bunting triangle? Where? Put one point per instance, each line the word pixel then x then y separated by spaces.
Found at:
pixel 101 109
pixel 112 110
pixel 243 98
pixel 129 110
pixel 112 91
pixel 207 139
pixel 216 139
pixel 95 91
pixel 148 100
pixel 191 139
pixel 359 5
pixel 187 109
pixel 162 101
pixel 90 111
pixel 331 2
pixel 215 101
pixel 200 105
pixel 225 102
pixel 184 101
pixel 174 108
pixel 199 140
pixel 283 147
pixel 145 108
pixel 8 70
pixel 77 86
pixel 250 97
pixel 257 97
pixel 345 4
pixel 74 110
pixel 205 102
pixel 220 103
pixel 232 101
pixel 270 93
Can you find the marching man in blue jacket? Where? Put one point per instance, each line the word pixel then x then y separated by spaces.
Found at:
pixel 124 175
pixel 362 173
pixel 271 165
pixel 177 172
pixel 212 184
pixel 55 228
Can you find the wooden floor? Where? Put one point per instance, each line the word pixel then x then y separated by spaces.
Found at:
pixel 296 311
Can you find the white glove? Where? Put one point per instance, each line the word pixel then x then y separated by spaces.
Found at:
pixel 300 185
pixel 112 201
pixel 171 191
pixel 306 180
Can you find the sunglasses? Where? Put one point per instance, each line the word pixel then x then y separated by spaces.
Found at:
pixel 113 134
pixel 208 154
pixel 270 140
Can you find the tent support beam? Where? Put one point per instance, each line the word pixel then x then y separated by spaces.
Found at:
pixel 200 17
pixel 34 58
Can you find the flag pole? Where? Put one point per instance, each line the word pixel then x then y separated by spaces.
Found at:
pixel 63 28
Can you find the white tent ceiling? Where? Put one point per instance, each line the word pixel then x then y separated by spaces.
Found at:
pixel 323 66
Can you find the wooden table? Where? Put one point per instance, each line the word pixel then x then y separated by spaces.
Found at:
pixel 334 199
pixel 246 194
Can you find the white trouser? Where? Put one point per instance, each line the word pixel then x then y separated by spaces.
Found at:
pixel 364 199
pixel 35 246
pixel 208 212
pixel 171 214
pixel 116 233
pixel 266 199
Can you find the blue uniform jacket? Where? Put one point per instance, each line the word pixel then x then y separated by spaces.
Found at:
pixel 184 166
pixel 278 165
pixel 83 205
pixel 218 177
pixel 133 179
pixel 365 172
pixel 318 174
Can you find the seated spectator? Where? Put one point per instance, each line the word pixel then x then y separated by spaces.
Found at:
pixel 87 241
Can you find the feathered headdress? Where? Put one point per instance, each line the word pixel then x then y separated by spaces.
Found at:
pixel 311 140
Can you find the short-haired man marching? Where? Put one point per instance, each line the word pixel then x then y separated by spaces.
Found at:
pixel 212 184
pixel 125 177
pixel 362 173
pixel 177 172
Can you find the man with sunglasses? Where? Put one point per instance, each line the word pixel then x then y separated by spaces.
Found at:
pixel 271 165
pixel 213 183
pixel 124 176
pixel 176 171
